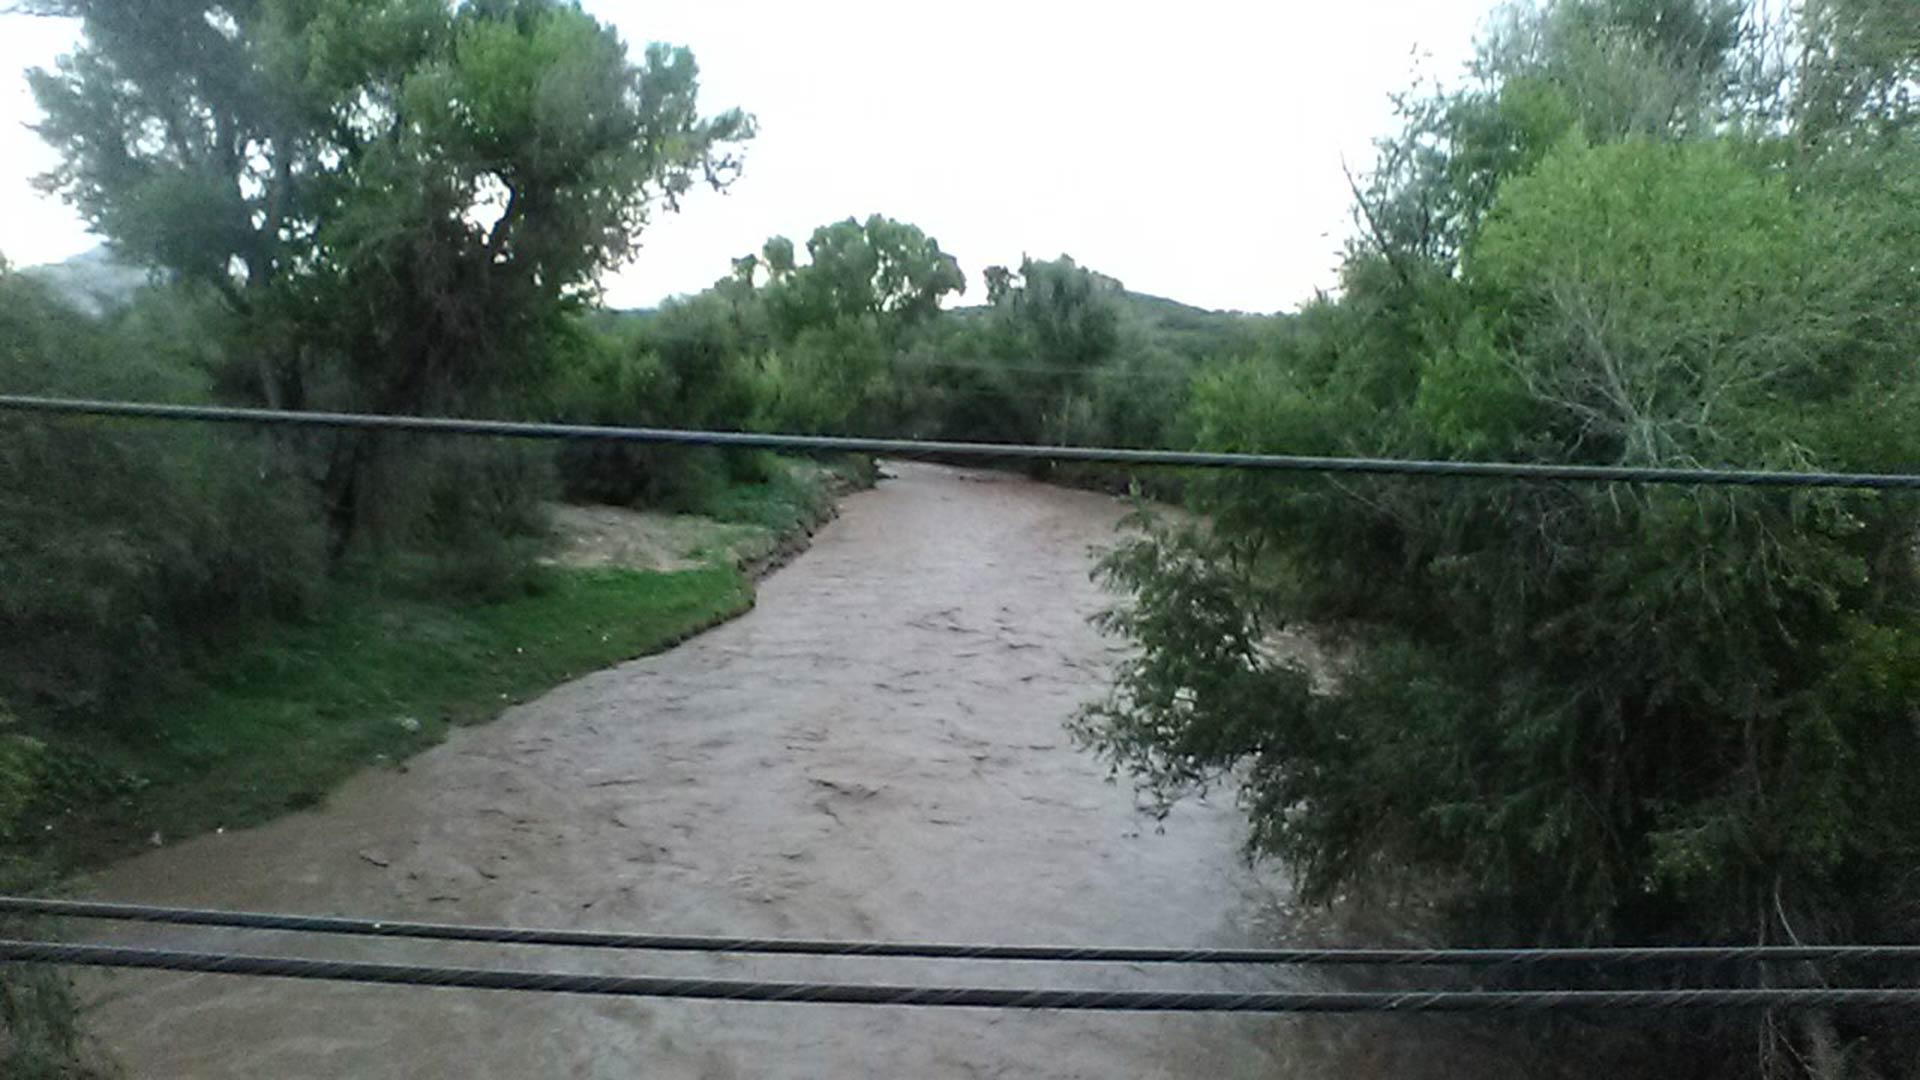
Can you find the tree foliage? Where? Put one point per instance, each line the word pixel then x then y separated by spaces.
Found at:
pixel 401 196
pixel 835 322
pixel 689 365
pixel 877 269
pixel 125 549
pixel 1577 712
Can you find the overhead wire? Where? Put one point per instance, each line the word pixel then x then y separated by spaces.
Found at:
pixel 651 986
pixel 1209 1001
pixel 601 939
pixel 908 448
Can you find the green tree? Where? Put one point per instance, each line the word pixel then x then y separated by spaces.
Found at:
pixel 1057 313
pixel 691 364
pixel 1051 326
pixel 1064 354
pixel 127 549
pixel 867 291
pixel 1576 712
pixel 881 268
pixel 1601 711
pixel 1858 71
pixel 401 194
pixel 1604 69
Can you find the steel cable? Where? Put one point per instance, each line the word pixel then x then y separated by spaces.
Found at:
pixel 1449 1001
pixel 909 448
pixel 600 939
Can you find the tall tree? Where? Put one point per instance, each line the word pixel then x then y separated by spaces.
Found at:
pixel 1858 71
pixel 1604 69
pixel 840 319
pixel 399 193
pixel 880 269
pixel 1581 712
pixel 1052 325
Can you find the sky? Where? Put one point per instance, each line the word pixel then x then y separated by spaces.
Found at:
pixel 1192 150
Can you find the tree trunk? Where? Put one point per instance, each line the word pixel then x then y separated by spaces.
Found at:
pixel 343 488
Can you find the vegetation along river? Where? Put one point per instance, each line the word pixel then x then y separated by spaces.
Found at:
pixel 875 751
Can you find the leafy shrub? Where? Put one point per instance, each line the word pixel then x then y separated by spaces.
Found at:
pixel 40 1036
pixel 1577 712
pixel 39 1030
pixel 687 366
pixel 126 547
pixel 460 520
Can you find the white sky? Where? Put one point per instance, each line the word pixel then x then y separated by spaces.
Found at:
pixel 1189 149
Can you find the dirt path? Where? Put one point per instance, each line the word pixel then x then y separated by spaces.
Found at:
pixel 875 751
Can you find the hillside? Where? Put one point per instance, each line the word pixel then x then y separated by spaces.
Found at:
pixel 93 282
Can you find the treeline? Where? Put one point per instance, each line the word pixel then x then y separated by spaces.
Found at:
pixel 1646 233
pixel 864 334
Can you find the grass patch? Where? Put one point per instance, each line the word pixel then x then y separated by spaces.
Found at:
pixel 274 725
pixel 783 503
pixel 795 494
pixel 381 668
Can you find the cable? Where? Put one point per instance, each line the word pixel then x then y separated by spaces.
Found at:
pixel 1044 369
pixel 911 447
pixel 361 927
pixel 41 952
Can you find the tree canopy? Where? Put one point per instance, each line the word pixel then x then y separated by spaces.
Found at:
pixel 415 181
pixel 399 195
pixel 1579 712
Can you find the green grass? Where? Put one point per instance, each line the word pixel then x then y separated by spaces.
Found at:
pixel 383 669
pixel 794 496
pixel 782 504
pixel 277 723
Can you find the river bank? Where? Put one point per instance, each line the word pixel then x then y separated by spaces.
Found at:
pixel 875 751
pixel 374 676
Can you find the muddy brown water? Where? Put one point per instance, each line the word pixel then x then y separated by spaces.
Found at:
pixel 875 751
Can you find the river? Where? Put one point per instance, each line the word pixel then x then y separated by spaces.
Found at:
pixel 875 751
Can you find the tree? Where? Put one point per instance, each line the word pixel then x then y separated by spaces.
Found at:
pixel 127 549
pixel 1597 712
pixel 881 269
pixel 1858 72
pixel 1574 712
pixel 838 321
pixel 690 364
pixel 400 194
pixel 1051 326
pixel 1602 69
pixel 1058 313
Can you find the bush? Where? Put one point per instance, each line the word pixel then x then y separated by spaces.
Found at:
pixel 19 774
pixel 460 520
pixel 39 1020
pixel 127 547
pixel 831 380
pixel 1591 712
pixel 687 366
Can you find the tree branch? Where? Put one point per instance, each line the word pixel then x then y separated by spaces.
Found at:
pixel 1373 228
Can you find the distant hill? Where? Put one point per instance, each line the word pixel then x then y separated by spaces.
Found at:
pixel 1196 333
pixel 94 282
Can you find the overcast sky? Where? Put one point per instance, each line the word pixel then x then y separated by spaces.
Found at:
pixel 1190 149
